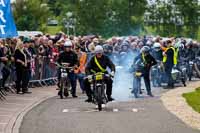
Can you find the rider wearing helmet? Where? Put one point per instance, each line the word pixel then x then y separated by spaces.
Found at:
pixel 148 61
pixel 69 56
pixel 108 49
pixel 157 51
pixel 99 63
pixel 125 47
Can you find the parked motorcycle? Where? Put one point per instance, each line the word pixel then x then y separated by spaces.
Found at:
pixel 180 75
pixel 193 68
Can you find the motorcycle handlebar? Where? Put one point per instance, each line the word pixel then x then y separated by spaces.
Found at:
pixel 63 66
pixel 93 75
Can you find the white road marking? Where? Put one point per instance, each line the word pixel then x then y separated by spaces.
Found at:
pixel 135 110
pixel 103 105
pixel 65 111
pixel 91 111
pixel 115 110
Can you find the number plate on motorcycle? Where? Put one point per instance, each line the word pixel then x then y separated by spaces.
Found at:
pixel 99 77
pixel 64 75
pixel 138 74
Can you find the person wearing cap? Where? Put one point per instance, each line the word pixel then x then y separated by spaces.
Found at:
pixel 69 56
pixel 99 63
pixel 148 60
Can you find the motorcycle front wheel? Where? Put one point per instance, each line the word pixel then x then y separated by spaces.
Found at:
pixel 99 98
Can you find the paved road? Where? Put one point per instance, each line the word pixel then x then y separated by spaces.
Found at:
pixel 147 115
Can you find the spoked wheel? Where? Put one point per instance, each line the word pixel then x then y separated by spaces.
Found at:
pixel 99 106
pixel 66 93
pixel 61 89
pixel 99 98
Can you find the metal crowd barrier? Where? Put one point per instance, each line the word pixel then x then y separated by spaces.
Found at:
pixel 43 73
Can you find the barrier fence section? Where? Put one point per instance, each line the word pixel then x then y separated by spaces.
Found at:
pixel 43 72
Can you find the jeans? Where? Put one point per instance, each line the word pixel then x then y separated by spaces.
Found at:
pixel 136 85
pixel 6 73
pixel 80 78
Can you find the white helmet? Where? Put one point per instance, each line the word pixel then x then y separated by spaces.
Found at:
pixel 144 49
pixel 177 45
pixel 98 49
pixel 68 43
pixel 156 45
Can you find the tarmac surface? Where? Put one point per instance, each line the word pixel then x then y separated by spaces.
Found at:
pixel 146 115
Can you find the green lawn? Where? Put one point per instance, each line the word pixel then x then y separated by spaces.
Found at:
pixel 193 99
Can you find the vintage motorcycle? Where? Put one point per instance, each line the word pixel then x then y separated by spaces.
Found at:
pixel 64 83
pixel 99 88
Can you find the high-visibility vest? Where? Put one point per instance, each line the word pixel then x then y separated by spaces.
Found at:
pixel 82 63
pixel 143 58
pixel 99 66
pixel 175 56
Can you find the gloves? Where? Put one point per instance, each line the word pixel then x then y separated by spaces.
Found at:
pixel 112 73
pixel 89 78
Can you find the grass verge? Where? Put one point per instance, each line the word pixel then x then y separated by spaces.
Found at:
pixel 193 99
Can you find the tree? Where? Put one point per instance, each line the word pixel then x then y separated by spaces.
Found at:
pixel 30 14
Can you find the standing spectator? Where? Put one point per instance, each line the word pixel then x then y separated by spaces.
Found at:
pixel 80 71
pixel 29 57
pixel 169 61
pixel 20 64
pixel 3 59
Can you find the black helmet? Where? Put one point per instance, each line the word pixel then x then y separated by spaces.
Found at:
pixel 108 48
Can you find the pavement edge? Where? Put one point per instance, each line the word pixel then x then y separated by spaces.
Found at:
pixel 16 121
pixel 177 105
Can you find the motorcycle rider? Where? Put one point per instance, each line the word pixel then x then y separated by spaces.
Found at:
pixel 157 53
pixel 99 63
pixel 69 56
pixel 148 61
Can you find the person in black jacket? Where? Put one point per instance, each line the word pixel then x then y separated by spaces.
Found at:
pixel 148 61
pixel 169 61
pixel 99 63
pixel 69 56
pixel 21 67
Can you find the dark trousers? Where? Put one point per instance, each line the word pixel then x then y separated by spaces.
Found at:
pixel 168 72
pixel 147 82
pixel 27 78
pixel 89 90
pixel 22 79
pixel 72 78
pixel 80 78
